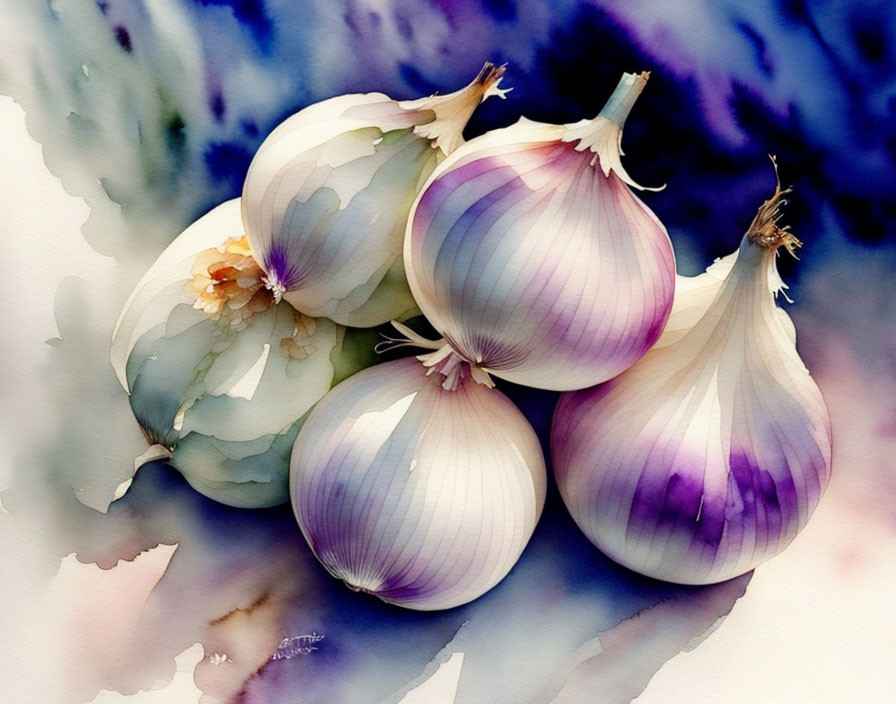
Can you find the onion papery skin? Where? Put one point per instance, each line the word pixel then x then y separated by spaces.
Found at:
pixel 327 195
pixel 421 496
pixel 534 264
pixel 709 455
pixel 223 398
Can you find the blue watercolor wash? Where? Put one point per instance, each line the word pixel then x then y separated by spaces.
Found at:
pixel 501 10
pixel 403 25
pixel 366 640
pixel 217 105
pixel 249 128
pixel 254 16
pixel 418 83
pixel 763 60
pixel 871 41
pixel 227 164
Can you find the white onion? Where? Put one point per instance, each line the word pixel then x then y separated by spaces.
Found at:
pixel 327 196
pixel 226 395
pixel 421 496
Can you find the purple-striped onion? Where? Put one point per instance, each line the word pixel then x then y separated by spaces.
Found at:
pixel 422 496
pixel 327 195
pixel 709 455
pixel 530 254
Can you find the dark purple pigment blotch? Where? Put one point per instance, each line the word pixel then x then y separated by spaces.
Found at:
pixel 757 487
pixel 677 505
pixel 123 37
pixel 768 506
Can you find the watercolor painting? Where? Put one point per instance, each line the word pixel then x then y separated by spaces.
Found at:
pixel 175 321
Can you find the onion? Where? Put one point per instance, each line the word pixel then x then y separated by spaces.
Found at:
pixel 531 256
pixel 217 373
pixel 709 455
pixel 422 496
pixel 327 196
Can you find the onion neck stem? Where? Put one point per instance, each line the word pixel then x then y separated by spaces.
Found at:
pixel 765 231
pixel 455 368
pixel 624 96
pixel 451 112
pixel 444 359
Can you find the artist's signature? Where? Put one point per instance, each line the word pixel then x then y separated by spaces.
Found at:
pixel 297 645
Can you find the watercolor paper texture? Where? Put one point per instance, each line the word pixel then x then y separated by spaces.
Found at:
pixel 148 113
